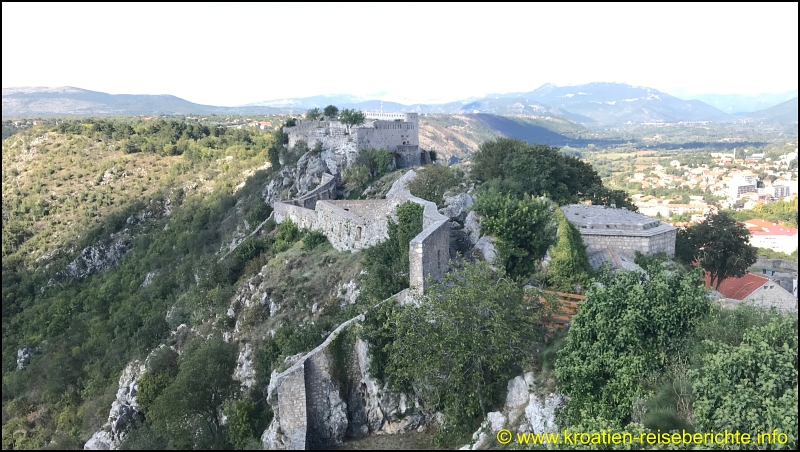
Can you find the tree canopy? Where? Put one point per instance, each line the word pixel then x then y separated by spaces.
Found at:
pixel 331 111
pixel 720 244
pixel 351 118
pixel 628 327
pixel 462 344
pixel 751 386
pixel 314 113
pixel 515 167
pixel 523 228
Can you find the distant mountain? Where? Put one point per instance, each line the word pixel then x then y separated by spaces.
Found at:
pixel 738 103
pixel 616 103
pixel 31 101
pixel 591 104
pixel 784 113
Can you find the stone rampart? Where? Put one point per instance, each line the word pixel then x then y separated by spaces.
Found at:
pixel 325 190
pixel 429 251
pixel 359 224
pixel 776 264
pixel 306 396
pixel 302 217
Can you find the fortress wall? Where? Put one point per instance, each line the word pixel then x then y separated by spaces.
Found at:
pixel 291 391
pixel 429 253
pixel 629 245
pixel 302 217
pixel 308 397
pixel 387 135
pixel 369 208
pixel 325 190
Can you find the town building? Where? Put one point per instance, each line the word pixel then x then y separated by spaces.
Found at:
pixel 766 234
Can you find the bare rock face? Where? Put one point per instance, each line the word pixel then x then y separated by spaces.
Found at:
pixel 125 414
pixel 456 207
pixel 485 249
pixel 472 227
pixel 24 356
pixel 100 257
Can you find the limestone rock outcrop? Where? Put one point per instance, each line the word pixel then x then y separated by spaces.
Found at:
pixel 24 356
pixel 457 206
pixel 125 413
pixel 484 249
pixel 102 256
pixel 524 411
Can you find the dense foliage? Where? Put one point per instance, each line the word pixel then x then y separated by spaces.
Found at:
pixel 751 386
pixel 523 228
pixel 719 244
pixel 568 270
pixel 783 212
pixel 461 344
pixel 516 167
pixel 433 181
pixel 629 326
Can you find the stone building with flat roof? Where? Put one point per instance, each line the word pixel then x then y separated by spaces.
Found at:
pixel 625 232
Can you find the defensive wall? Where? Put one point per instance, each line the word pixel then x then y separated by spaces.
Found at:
pixel 626 232
pixel 309 411
pixel 359 224
pixel 325 190
pixel 307 394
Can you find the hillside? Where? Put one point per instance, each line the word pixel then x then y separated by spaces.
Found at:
pixel 60 184
pixel 42 101
pixel 783 113
pixel 459 135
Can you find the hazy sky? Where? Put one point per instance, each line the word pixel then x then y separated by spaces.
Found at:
pixel 231 54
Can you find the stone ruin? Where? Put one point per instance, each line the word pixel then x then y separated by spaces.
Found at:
pixel 359 224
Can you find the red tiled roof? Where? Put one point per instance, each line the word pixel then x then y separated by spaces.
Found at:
pixel 761 227
pixel 738 288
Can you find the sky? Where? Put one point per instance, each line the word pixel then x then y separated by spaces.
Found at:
pixel 233 54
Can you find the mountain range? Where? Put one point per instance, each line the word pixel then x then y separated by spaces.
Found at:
pixel 593 104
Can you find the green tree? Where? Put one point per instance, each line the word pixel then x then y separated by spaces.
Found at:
pixel 751 386
pixel 523 229
pixel 720 244
pixel 351 118
pixel 569 269
pixel 432 182
pixel 331 111
pixel 193 401
pixel 631 325
pixel 461 344
pixel 241 414
pixel 313 114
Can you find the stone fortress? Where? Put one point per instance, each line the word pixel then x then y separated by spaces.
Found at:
pixel 398 133
pixel 358 224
